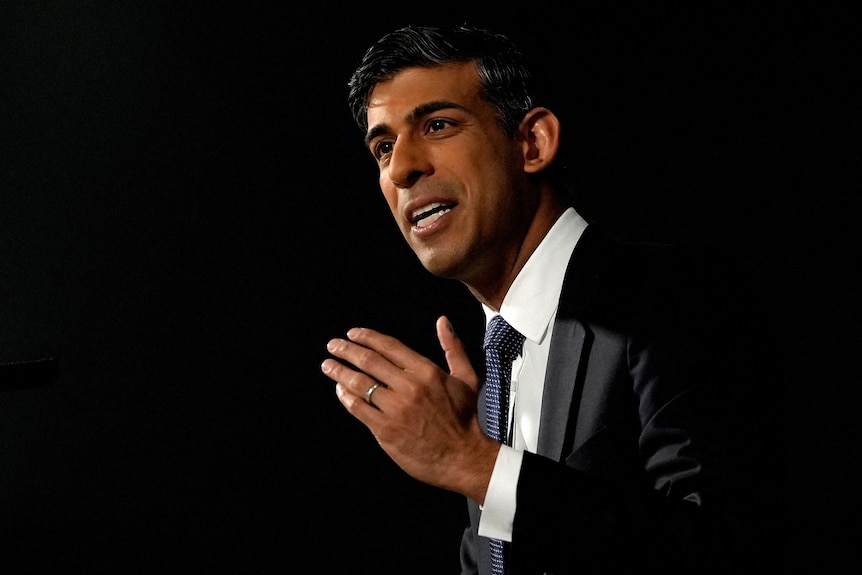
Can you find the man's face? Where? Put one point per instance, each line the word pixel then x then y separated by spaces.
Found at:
pixel 451 177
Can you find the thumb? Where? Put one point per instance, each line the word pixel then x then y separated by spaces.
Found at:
pixel 456 356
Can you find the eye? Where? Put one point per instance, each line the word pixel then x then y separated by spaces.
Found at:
pixel 438 124
pixel 382 148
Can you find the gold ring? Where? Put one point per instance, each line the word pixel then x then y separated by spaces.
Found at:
pixel 368 393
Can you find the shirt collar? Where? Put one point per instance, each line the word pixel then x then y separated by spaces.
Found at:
pixel 532 299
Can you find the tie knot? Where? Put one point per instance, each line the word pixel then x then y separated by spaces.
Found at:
pixel 503 338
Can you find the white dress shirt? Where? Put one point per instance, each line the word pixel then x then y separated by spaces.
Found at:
pixel 530 306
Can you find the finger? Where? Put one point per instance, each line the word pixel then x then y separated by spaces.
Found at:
pixel 371 365
pixel 391 358
pixel 456 355
pixel 351 388
pixel 361 404
pixel 353 381
pixel 368 414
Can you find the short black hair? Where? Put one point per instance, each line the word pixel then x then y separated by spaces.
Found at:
pixel 506 82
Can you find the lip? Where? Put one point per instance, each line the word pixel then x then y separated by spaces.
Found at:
pixel 435 209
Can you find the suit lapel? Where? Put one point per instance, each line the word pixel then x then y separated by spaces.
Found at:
pixel 561 381
pixel 570 345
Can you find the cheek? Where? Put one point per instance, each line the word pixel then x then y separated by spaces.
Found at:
pixel 391 197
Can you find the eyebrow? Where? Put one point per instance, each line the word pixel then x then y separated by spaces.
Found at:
pixel 419 111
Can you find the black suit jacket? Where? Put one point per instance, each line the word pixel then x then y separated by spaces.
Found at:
pixel 653 454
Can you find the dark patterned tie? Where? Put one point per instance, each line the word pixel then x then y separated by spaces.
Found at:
pixel 502 345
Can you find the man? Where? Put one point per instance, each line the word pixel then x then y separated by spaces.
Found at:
pixel 631 441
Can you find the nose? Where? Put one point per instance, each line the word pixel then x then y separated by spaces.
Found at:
pixel 408 162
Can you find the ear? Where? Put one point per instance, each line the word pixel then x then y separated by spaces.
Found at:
pixel 540 139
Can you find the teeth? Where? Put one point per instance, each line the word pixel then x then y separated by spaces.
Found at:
pixel 430 219
pixel 423 209
pixel 426 215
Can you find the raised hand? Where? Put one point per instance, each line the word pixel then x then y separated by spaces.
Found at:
pixel 422 416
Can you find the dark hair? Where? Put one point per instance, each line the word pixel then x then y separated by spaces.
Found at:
pixel 506 81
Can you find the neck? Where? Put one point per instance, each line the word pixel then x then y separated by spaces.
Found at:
pixel 492 292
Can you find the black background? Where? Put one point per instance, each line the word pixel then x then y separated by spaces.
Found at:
pixel 187 215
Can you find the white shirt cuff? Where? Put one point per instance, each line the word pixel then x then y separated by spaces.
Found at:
pixel 498 511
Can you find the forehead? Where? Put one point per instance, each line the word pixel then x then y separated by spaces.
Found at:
pixel 410 88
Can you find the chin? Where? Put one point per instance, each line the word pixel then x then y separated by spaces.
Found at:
pixel 435 269
pixel 444 267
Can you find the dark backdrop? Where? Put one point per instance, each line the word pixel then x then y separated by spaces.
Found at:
pixel 187 215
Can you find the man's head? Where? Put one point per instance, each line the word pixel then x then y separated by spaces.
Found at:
pixel 499 63
pixel 463 158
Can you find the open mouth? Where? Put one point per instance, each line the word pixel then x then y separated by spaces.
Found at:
pixel 427 215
